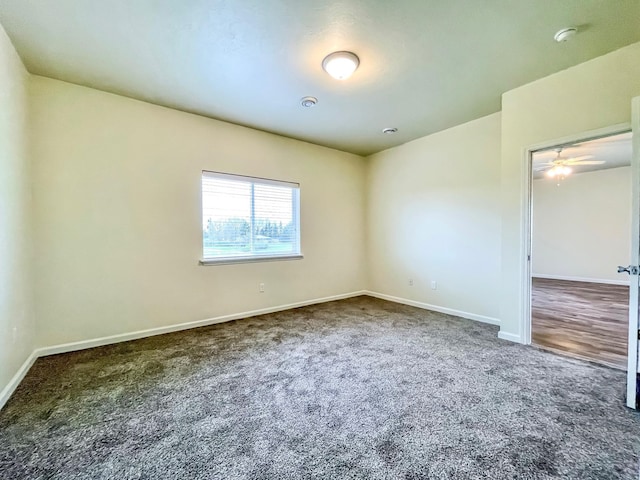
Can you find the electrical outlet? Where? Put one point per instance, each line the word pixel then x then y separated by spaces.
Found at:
pixel 411 282
pixel 434 285
pixel 261 287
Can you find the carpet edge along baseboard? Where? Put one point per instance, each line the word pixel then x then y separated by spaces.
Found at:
pixel 8 390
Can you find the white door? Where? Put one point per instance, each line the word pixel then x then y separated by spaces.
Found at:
pixel 634 286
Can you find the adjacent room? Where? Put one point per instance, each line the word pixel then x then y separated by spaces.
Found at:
pixel 581 230
pixel 291 240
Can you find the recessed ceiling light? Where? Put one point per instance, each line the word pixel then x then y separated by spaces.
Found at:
pixel 340 65
pixel 565 34
pixel 308 101
pixel 389 130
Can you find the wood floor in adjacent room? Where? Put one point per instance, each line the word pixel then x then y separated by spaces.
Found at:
pixel 588 320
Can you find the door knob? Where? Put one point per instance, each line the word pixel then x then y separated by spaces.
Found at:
pixel 631 270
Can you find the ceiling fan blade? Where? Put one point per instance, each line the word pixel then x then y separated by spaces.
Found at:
pixel 587 162
pixel 578 158
pixel 543 167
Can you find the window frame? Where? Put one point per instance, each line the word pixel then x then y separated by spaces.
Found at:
pixel 270 257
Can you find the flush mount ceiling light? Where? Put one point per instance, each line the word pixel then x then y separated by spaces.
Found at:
pixel 340 65
pixel 389 130
pixel 308 101
pixel 565 34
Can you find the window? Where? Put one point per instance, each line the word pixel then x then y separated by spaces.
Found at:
pixel 247 218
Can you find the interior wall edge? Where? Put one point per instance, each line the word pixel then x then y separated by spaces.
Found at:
pixel 8 390
pixel 436 308
pixel 17 311
pixel 511 337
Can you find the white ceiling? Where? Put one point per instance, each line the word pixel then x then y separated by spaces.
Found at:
pixel 426 65
pixel 615 151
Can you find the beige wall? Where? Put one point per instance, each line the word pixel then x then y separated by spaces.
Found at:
pixel 592 95
pixel 117 216
pixel 582 228
pixel 16 300
pixel 434 215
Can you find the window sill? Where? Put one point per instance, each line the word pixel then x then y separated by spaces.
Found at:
pixel 252 259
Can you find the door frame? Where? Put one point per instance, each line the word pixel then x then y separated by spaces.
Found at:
pixel 527 210
pixel 634 285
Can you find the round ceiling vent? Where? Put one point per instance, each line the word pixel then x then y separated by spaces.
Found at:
pixel 308 101
pixel 389 130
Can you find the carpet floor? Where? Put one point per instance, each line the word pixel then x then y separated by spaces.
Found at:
pixel 354 389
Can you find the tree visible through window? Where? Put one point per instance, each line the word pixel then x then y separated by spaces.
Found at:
pixel 249 217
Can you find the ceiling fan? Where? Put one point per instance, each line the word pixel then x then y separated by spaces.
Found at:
pixel 560 167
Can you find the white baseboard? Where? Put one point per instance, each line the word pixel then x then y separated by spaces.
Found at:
pixel 436 308
pixel 123 337
pixel 510 337
pixel 581 279
pixel 17 378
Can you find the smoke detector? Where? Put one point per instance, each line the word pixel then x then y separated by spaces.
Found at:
pixel 565 34
pixel 389 130
pixel 308 101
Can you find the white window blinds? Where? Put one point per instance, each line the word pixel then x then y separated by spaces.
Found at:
pixel 247 217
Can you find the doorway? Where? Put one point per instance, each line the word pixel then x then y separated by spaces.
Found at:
pixel 580 231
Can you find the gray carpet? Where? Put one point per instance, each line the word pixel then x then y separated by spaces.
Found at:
pixel 354 389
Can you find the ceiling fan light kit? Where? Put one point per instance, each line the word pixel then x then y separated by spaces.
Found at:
pixel 559 171
pixel 559 168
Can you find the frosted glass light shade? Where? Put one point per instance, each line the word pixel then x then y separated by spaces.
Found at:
pixel 340 65
pixel 559 171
